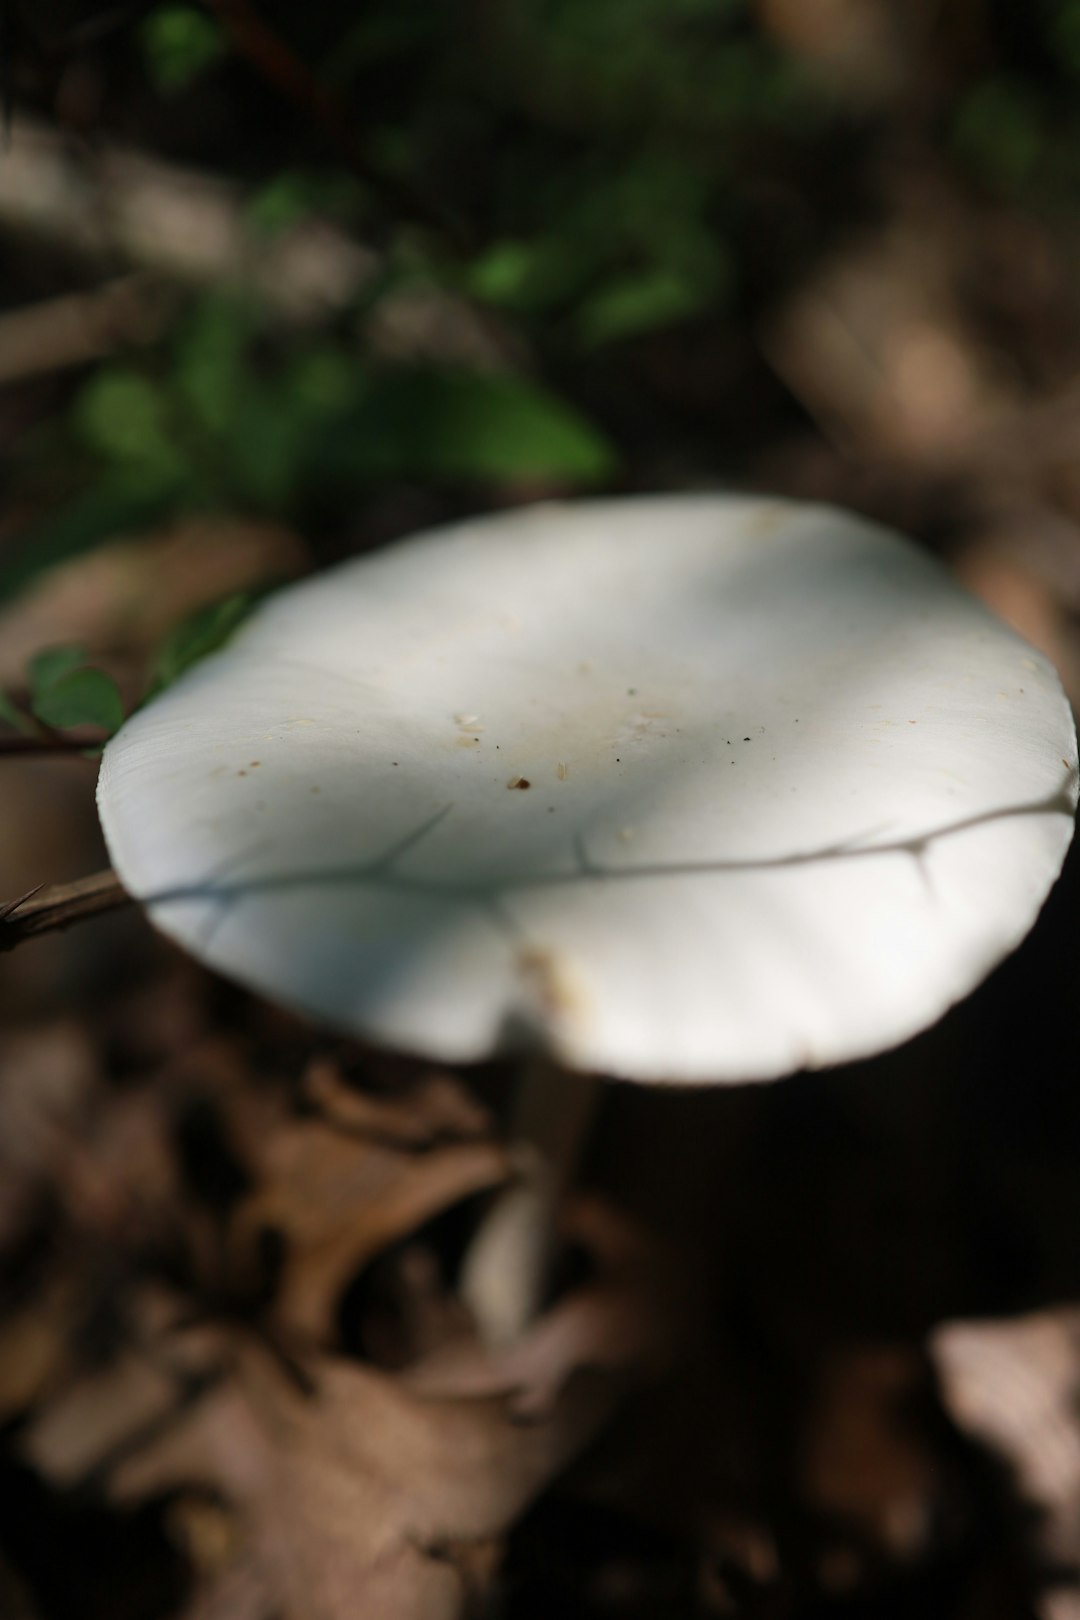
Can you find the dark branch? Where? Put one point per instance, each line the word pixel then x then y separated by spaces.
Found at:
pixel 57 905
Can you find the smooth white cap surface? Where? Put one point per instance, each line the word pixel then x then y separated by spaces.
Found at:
pixel 693 788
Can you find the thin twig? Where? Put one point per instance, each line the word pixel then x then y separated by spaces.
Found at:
pixel 75 742
pixel 58 905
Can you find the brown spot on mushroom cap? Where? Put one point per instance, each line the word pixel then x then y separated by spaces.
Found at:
pixel 520 782
pixel 769 519
pixel 550 979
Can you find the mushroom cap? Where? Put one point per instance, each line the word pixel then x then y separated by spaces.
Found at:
pixel 696 788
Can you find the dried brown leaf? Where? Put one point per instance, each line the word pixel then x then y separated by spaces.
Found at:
pixel 34 1346
pixel 357 1490
pixel 337 1201
pixel 435 1108
pixel 99 1413
pixel 1012 1385
pixel 124 596
pixel 864 1462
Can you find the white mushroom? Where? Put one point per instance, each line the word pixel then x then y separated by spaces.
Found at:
pixel 686 789
pixel 689 789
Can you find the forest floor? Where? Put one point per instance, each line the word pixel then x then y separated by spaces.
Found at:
pixel 812 1349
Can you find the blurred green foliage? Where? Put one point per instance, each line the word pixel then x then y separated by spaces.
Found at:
pixel 225 417
pixel 589 156
pixel 615 173
pixel 13 716
pixel 81 697
pixel 1017 126
pixel 50 665
pixel 181 43
pixel 204 632
pixel 63 690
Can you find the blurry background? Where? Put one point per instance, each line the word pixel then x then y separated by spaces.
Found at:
pixel 279 283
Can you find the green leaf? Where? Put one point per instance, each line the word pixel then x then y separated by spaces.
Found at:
pixel 502 274
pixel 124 417
pixel 82 697
pixel 463 425
pixel 278 205
pixel 1065 35
pixel 180 44
pixel 631 305
pixel 295 194
pixel 201 634
pixel 13 716
pixel 212 370
pixel 267 446
pixel 47 667
pixel 1000 130
pixel 64 692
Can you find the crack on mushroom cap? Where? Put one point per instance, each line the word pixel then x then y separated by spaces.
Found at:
pixel 384 870
pixel 557 1006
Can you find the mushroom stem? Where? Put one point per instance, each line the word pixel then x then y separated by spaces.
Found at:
pixel 508 1267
